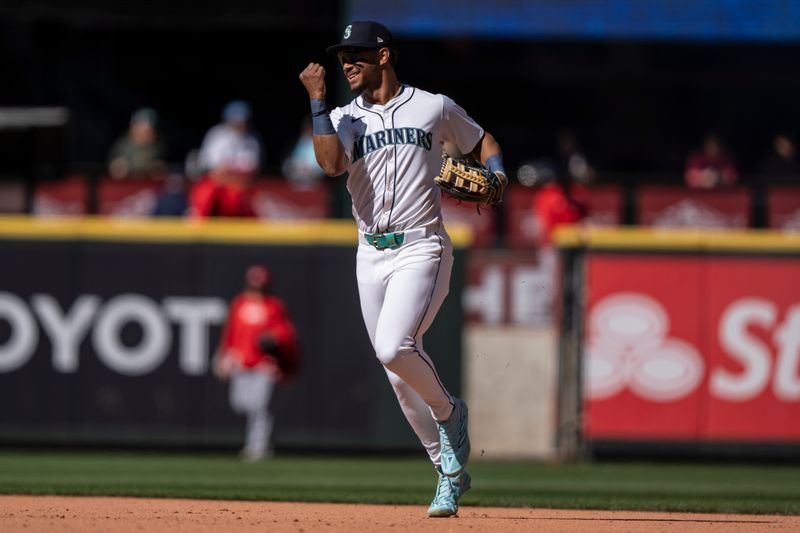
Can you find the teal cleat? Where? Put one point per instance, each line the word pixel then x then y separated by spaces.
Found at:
pixel 449 491
pixel 454 439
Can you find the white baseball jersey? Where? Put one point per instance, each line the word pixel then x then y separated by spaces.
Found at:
pixel 395 151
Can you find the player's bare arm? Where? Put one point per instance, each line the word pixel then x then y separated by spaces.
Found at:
pixel 489 154
pixel 486 149
pixel 328 148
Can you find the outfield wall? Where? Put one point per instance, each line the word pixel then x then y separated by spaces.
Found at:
pixel 684 338
pixel 107 329
pixel 510 383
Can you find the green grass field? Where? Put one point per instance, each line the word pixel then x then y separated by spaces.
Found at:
pixel 634 486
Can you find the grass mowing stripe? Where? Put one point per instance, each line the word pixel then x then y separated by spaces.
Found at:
pixel 635 486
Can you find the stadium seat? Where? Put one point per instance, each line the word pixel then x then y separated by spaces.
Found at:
pixel 12 197
pixel 275 199
pixel 66 197
pixel 783 208
pixel 678 207
pixel 127 198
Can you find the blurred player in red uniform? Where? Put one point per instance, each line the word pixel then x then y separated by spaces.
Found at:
pixel 258 349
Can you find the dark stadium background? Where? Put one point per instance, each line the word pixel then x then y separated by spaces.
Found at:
pixel 638 104
pixel 640 82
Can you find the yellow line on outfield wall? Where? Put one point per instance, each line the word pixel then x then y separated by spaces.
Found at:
pixel 219 231
pixel 656 239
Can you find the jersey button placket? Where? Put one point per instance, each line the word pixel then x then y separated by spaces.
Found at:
pixel 387 208
pixel 390 166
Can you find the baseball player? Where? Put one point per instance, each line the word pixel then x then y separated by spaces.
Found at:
pixel 389 139
pixel 258 349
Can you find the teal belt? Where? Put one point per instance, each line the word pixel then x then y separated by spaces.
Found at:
pixel 381 241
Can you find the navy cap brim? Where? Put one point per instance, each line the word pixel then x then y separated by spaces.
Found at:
pixel 335 49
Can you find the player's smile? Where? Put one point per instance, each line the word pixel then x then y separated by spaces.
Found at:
pixel 352 74
pixel 355 77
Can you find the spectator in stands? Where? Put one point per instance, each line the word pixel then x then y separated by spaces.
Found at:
pixel 781 165
pixel 569 163
pixel 562 196
pixel 140 153
pixel 560 200
pixel 301 168
pixel 711 167
pixel 227 194
pixel 172 200
pixel 232 145
pixel 231 155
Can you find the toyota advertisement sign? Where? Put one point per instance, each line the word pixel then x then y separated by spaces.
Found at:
pixel 692 348
pixel 111 341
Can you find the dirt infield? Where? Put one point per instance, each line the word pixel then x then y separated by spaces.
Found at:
pixel 123 515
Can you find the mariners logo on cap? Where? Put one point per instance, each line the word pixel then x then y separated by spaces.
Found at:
pixel 347 31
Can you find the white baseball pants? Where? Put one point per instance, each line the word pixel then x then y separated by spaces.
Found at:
pixel 401 290
pixel 250 394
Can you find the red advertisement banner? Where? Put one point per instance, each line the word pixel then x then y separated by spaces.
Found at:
pixel 692 348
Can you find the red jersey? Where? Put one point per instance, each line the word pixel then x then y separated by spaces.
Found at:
pixel 251 316
pixel 554 207
pixel 212 199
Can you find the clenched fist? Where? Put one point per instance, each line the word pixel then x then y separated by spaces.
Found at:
pixel 313 78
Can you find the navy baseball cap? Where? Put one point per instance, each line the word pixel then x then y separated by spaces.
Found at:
pixel 363 34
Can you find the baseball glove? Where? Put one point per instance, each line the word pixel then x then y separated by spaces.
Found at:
pixel 286 356
pixel 470 181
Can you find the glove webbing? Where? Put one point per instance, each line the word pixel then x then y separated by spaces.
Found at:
pixel 462 176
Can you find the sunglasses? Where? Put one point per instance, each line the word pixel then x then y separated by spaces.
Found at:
pixel 355 58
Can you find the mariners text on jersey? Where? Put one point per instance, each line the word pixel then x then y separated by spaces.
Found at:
pixel 369 143
pixel 393 154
